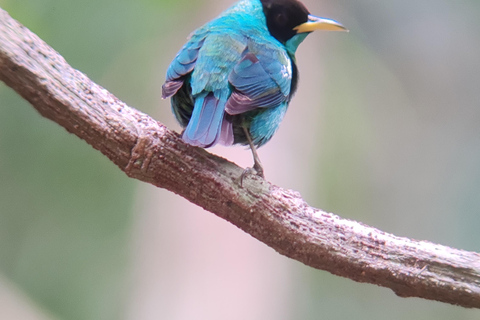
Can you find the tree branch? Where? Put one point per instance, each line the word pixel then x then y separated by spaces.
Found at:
pixel 146 150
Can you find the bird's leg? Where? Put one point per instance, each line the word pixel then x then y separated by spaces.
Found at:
pixel 257 165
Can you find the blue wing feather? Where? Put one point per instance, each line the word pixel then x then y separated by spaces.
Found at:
pixel 183 64
pixel 256 84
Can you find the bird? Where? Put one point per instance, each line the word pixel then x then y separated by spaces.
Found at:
pixel 232 82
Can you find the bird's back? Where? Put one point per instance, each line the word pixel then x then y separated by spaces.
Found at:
pixel 200 79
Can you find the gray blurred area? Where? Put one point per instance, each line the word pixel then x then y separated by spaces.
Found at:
pixel 384 129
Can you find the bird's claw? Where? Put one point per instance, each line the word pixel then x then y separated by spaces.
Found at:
pixel 258 171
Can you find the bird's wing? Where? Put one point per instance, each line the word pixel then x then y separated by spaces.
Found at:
pixel 260 80
pixel 182 65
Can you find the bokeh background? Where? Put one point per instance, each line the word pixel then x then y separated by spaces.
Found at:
pixel 384 129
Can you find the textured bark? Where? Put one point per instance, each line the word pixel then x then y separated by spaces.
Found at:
pixel 146 150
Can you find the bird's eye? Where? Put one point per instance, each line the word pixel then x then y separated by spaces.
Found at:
pixel 281 19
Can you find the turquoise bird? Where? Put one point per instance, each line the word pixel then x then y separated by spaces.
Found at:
pixel 231 83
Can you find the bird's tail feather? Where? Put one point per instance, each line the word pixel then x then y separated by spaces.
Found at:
pixel 226 134
pixel 208 125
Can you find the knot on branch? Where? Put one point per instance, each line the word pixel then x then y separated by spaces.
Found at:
pixel 147 145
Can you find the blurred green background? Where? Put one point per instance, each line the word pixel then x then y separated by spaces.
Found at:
pixel 384 129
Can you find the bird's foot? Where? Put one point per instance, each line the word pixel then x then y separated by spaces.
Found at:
pixel 256 170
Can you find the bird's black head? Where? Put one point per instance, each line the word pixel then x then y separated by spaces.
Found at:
pixel 282 16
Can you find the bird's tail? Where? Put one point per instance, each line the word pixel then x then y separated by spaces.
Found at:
pixel 208 124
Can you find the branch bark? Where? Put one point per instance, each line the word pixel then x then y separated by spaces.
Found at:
pixel 146 150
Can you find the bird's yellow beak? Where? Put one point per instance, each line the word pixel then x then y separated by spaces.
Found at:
pixel 317 23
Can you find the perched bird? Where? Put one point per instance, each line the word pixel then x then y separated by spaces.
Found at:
pixel 232 81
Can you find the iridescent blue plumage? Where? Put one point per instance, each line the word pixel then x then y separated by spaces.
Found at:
pixel 232 81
